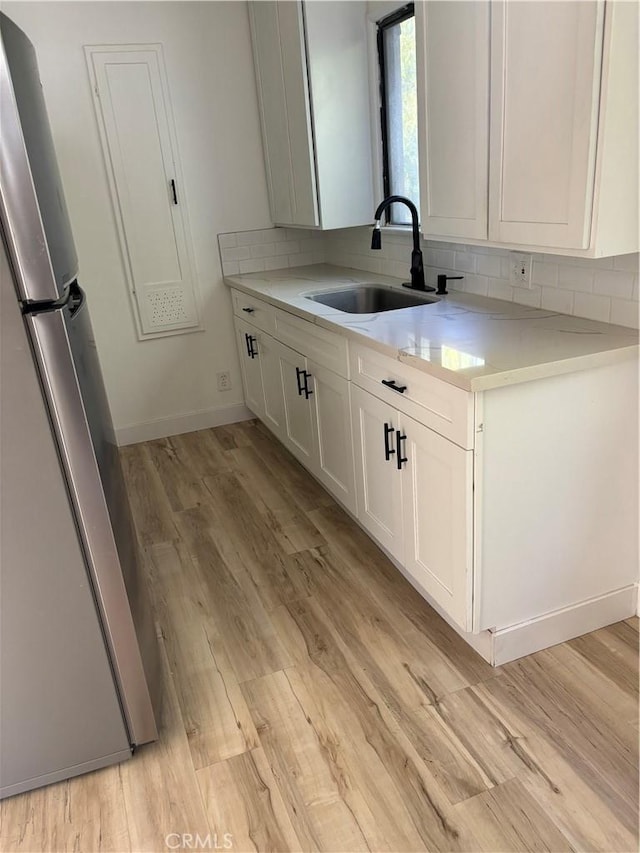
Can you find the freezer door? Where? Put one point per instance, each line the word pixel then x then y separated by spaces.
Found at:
pixel 36 207
pixel 59 707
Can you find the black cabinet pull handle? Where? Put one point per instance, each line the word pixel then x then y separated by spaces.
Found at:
pixel 400 458
pixel 391 383
pixel 299 373
pixel 248 310
pixel 173 191
pixel 252 352
pixel 388 451
pixel 307 391
pixel 248 345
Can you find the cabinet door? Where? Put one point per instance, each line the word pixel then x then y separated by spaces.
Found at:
pixel 298 408
pixel 274 412
pixel 545 73
pixel 378 481
pixel 437 498
pixel 248 342
pixel 452 41
pixel 277 33
pixel 332 422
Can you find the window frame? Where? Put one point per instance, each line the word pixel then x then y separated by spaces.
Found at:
pixel 402 13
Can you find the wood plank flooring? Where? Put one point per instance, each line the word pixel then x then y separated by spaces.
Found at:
pixel 313 700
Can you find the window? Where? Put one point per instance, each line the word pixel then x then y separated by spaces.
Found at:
pixel 398 110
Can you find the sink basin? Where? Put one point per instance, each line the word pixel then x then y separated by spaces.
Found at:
pixel 370 299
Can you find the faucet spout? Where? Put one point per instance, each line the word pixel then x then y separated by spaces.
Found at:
pixel 417 267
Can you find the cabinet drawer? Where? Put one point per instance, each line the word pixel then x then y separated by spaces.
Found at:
pixel 442 407
pixel 327 348
pixel 253 311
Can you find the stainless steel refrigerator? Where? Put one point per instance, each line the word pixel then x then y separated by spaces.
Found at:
pixel 79 674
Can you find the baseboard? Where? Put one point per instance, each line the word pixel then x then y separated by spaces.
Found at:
pixel 189 422
pixel 561 625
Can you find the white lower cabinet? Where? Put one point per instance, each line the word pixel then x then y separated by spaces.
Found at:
pixel 250 365
pixel 332 421
pixel 298 410
pixel 304 404
pixel 415 496
pixel 437 500
pixel 378 484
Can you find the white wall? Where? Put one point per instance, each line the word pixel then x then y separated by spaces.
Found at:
pixel 210 69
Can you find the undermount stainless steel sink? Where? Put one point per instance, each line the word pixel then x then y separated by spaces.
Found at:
pixel 370 299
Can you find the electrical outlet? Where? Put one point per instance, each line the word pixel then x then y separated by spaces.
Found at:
pixel 224 380
pixel 520 269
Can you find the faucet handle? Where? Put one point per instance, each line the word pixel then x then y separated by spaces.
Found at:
pixel 442 283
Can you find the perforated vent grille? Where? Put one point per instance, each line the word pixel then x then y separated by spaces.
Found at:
pixel 167 307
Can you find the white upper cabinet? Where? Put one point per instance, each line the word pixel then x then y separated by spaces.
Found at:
pixel 546 61
pixel 311 65
pixel 452 52
pixel 558 103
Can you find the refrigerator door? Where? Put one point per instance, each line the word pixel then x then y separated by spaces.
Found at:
pixel 59 710
pixel 94 399
pixel 32 185
pixel 70 425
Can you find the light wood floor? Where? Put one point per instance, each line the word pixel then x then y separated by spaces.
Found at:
pixel 315 702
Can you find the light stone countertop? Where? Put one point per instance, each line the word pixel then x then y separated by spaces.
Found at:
pixel 470 341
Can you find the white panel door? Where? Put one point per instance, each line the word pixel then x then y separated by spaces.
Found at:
pixel 545 86
pixel 277 33
pixel 134 118
pixel 274 412
pixel 298 405
pixel 378 480
pixel 332 421
pixel 452 41
pixel 437 498
pixel 249 351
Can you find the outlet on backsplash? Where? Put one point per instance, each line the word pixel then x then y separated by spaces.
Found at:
pixel 520 270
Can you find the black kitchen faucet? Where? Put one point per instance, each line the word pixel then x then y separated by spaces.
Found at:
pixel 417 267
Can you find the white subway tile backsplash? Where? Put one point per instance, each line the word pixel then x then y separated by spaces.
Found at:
pixel 477 284
pixel 593 307
pixel 251 265
pixel 546 274
pixel 489 265
pixel 240 253
pixel 465 261
pixel 576 278
pixel 277 263
pixel 500 289
pixel 263 250
pixel 288 247
pixel 227 241
pixel 230 268
pixel 528 296
pixel 627 263
pixel 598 289
pixel 557 300
pixel 625 312
pixel 613 283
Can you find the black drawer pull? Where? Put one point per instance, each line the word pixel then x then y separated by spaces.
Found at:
pixel 249 310
pixel 299 372
pixel 391 383
pixel 252 352
pixel 307 391
pixel 388 451
pixel 400 458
